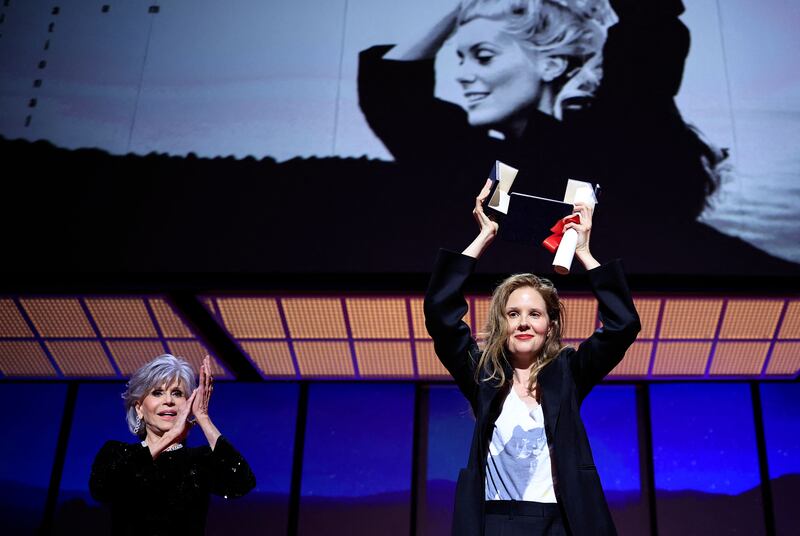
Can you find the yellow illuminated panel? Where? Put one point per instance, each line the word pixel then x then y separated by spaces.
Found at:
pixel 81 358
pixel 170 323
pixel 681 358
pixel 785 359
pixel 251 318
pixel 24 358
pixel 636 360
pixel 418 318
pixel 690 318
pixel 11 322
pixel 377 318
pixel 315 318
pixel 734 358
pixel 750 319
pixel 428 365
pixel 56 317
pixel 319 358
pixel 194 352
pixel 381 358
pixel 131 355
pixel 581 317
pixel 271 357
pixel 121 317
pixel 790 328
pixel 648 314
pixel 481 316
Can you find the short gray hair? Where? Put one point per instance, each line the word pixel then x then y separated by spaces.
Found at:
pixel 162 370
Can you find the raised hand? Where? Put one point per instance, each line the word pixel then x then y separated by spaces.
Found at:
pixel 584 227
pixel 584 230
pixel 204 389
pixel 488 227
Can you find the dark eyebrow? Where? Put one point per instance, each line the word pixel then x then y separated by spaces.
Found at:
pixel 479 44
pixel 482 44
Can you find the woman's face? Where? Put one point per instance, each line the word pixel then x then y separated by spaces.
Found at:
pixel 501 81
pixel 528 322
pixel 159 408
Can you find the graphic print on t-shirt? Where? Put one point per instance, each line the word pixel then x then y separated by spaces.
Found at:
pixel 518 462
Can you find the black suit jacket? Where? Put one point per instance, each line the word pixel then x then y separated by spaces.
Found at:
pixel 565 382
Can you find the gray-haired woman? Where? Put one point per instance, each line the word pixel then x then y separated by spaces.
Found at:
pixel 157 485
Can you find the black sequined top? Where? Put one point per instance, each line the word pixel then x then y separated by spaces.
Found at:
pixel 169 495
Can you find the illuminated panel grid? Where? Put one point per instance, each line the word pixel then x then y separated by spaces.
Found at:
pixel 251 318
pixel 324 359
pixel 383 358
pixel 648 315
pixel 130 355
pixel 377 318
pixel 750 319
pixel 739 358
pixel 418 318
pixel 581 317
pixel 194 351
pixel 11 322
pixel 315 318
pixel 481 306
pixel 271 357
pixel 117 317
pixel 428 365
pixel 81 358
pixel 24 358
pixel 636 360
pixel 785 359
pixel 686 333
pixel 681 358
pixel 690 318
pixel 79 337
pixel 54 317
pixel 172 327
pixel 790 329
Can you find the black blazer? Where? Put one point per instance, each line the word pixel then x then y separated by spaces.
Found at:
pixel 565 382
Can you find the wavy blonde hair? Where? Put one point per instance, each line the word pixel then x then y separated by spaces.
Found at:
pixel 495 343
pixel 572 29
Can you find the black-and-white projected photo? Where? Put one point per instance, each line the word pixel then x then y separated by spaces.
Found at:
pixel 686 113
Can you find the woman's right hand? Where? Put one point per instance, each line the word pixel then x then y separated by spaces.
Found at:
pixel 488 227
pixel 428 40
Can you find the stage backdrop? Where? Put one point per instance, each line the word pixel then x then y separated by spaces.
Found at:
pixel 239 135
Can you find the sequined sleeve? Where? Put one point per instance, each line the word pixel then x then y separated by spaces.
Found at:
pixel 115 468
pixel 231 475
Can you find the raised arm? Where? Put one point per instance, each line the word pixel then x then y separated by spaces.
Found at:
pixel 445 308
pixel 396 85
pixel 600 353
pixel 231 475
pixel 445 305
pixel 426 44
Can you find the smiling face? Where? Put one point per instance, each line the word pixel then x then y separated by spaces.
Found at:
pixel 159 408
pixel 501 81
pixel 528 323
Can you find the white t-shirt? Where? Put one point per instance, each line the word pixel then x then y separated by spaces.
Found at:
pixel 518 464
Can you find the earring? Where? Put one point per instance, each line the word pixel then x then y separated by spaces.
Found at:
pixel 138 425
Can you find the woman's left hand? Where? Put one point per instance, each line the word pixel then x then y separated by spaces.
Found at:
pixel 204 389
pixel 584 228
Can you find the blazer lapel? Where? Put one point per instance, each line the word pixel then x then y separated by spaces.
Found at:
pixel 550 383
